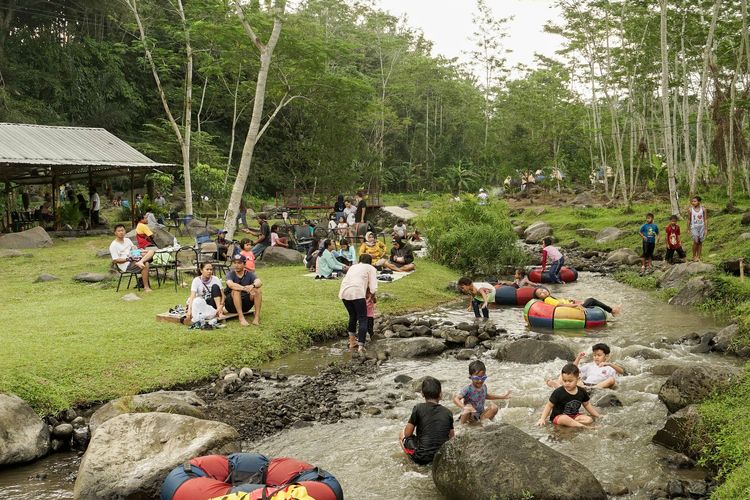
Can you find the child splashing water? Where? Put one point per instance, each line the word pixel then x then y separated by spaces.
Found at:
pixel 472 398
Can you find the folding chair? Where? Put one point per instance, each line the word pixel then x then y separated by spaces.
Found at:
pixel 130 275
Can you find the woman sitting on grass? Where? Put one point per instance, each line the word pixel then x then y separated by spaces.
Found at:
pixel 374 248
pixel 206 299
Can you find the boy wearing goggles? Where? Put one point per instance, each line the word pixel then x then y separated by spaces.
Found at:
pixel 472 398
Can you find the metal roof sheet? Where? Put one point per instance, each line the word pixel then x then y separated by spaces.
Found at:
pixel 23 144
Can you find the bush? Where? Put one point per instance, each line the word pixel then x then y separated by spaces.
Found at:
pixel 70 215
pixel 471 238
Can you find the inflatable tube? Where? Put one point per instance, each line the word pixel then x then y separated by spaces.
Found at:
pixel 249 475
pixel 541 315
pixel 506 295
pixel 567 274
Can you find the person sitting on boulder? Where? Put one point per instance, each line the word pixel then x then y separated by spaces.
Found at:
pixel 276 240
pixel 544 295
pixel 600 374
pixel 472 398
pixel 402 258
pixel 564 405
pixel 128 258
pixel 243 291
pixel 144 236
pixel 430 425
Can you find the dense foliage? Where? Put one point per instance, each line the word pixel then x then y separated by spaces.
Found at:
pixel 474 239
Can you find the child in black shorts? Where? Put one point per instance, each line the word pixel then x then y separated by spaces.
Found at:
pixel 432 422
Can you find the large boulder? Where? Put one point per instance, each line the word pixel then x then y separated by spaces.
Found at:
pixel 501 461
pixel 162 237
pixel 723 341
pixel 537 231
pixel 412 348
pixel 281 255
pixel 198 226
pixel 696 291
pixel 23 435
pixel 130 455
pixel 622 257
pixel 692 384
pixel 5 254
pixel 532 351
pixel 609 234
pixel 680 273
pixel 178 402
pixel 585 198
pixel 36 237
pixel 679 431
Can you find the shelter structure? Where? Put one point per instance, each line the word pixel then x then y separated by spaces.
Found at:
pixel 53 155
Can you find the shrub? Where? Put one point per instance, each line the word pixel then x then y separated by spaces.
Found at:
pixel 70 214
pixel 471 238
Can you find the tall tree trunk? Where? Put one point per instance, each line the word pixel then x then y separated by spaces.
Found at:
pixel 266 52
pixel 665 111
pixel 188 113
pixel 685 103
pixel 702 96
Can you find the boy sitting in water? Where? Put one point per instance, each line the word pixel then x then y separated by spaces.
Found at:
pixel 472 398
pixel 481 294
pixel 564 405
pixel 519 279
pixel 432 422
pixel 599 374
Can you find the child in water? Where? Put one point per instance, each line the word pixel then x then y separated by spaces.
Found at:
pixel 432 422
pixel 481 295
pixel 543 294
pixel 472 398
pixel 564 405
pixel 599 374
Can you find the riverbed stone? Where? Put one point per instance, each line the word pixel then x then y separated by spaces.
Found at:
pixel 532 351
pixel 680 273
pixel 696 291
pixel 609 234
pixel 130 455
pixel 537 231
pixel 722 341
pixel 454 335
pixel 471 342
pixel 639 351
pixel 679 431
pixel 178 402
pixel 283 256
pixel 36 237
pixel 692 384
pixel 622 257
pixel 23 435
pixel 519 467
pixel 465 354
pixel 411 348
pixel 62 431
pixel 666 368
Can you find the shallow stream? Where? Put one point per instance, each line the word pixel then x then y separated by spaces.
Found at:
pixel 364 454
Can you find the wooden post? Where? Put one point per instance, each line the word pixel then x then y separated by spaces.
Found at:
pixel 91 187
pixel 132 199
pixel 55 210
pixel 742 269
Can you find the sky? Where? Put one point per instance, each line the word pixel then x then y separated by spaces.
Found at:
pixel 448 24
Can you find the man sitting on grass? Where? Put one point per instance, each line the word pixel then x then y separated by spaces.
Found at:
pixel 243 291
pixel 128 258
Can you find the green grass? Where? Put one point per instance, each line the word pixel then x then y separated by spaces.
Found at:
pixel 66 343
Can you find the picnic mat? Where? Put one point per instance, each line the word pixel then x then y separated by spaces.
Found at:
pixel 396 276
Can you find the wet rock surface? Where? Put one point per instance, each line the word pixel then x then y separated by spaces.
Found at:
pixel 23 435
pixel 693 384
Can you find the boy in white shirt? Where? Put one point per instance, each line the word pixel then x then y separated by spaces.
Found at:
pixel 128 258
pixel 599 374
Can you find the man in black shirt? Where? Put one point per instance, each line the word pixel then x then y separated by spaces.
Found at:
pixel 264 238
pixel 243 291
pixel 432 422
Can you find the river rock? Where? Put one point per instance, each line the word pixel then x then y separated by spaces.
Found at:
pixel 471 342
pixel 402 379
pixel 44 278
pixel 464 354
pixel 92 277
pixel 679 431
pixel 454 335
pixel 283 256
pixel 179 402
pixel 519 230
pixel 23 435
pixel 130 455
pixel 680 273
pixel 36 237
pixel 639 351
pixel 585 198
pixel 722 341
pixel 411 348
pixel 532 351
pixel 696 291
pixel 81 438
pixel 62 432
pixel 665 369
pixel 609 234
pixel 622 257
pixel 519 466
pixel 694 383
pixel 586 232
pixel 745 221
pixel 537 231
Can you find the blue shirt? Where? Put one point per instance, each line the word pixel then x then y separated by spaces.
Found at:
pixel 650 231
pixel 475 397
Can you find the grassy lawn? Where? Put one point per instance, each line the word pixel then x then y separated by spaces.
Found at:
pixel 66 343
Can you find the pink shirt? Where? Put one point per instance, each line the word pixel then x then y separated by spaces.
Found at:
pixel 274 239
pixel 357 280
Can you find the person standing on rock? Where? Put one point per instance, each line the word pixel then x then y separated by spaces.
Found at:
pixel 432 423
pixel 697 226
pixel 353 291
pixel 128 258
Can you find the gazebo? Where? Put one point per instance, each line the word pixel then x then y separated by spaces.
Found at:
pixel 52 155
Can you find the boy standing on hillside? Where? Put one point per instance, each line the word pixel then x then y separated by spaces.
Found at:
pixel 673 240
pixel 650 234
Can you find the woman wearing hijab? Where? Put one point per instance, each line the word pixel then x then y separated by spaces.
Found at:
pixel 374 248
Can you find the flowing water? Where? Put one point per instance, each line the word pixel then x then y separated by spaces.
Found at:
pixel 364 453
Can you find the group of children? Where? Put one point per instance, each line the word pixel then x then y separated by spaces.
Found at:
pixel 697 223
pixel 431 424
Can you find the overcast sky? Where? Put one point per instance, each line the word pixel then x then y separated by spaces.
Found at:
pixel 448 24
